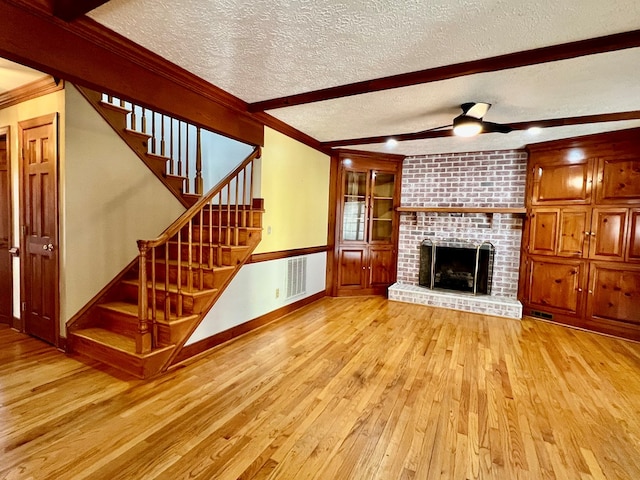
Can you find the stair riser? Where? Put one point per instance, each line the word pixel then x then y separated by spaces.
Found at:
pixel 169 334
pixel 121 360
pixel 118 322
pixel 245 218
pixel 229 256
pixel 201 280
pixel 217 236
pixel 115 117
pixel 190 304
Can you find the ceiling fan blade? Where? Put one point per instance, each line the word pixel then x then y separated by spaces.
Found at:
pixel 422 132
pixel 475 109
pixel 491 127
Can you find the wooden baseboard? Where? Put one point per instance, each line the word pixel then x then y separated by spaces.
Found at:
pixel 62 343
pixel 206 344
pixel 17 324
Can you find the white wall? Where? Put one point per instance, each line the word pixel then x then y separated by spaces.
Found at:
pixel 109 199
pixel 252 293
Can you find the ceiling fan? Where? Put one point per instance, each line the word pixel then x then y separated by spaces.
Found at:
pixel 471 122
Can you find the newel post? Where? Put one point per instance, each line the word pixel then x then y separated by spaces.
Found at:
pixel 143 337
pixel 199 181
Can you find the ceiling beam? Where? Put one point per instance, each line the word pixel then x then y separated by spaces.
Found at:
pixel 564 51
pixel 69 10
pixel 428 134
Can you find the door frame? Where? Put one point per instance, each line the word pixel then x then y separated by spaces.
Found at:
pixel 6 131
pixel 51 118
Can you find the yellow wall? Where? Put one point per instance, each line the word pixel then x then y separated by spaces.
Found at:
pixel 295 188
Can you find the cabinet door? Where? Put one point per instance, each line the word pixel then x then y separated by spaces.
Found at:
pixel 618 180
pixel 352 268
pixel 354 206
pixel 633 247
pixel 562 183
pixel 544 231
pixel 382 208
pixel 382 266
pixel 574 223
pixel 614 294
pixel 608 229
pixel 557 285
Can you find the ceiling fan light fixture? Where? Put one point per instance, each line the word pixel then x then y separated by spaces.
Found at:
pixel 466 126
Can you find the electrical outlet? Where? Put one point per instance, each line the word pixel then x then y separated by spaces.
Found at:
pixel 277 293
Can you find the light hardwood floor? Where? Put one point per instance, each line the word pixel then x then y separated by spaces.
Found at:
pixel 357 388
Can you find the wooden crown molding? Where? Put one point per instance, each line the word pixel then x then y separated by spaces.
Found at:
pixel 30 91
pixel 552 122
pixel 86 53
pixel 564 51
pixel 605 139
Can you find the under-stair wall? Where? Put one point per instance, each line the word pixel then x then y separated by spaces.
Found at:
pixel 109 200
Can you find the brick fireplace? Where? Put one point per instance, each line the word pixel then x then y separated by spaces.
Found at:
pixel 479 179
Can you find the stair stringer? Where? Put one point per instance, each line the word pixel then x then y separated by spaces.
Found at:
pixel 138 142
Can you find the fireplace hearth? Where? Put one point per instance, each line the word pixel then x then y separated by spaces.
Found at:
pixel 457 265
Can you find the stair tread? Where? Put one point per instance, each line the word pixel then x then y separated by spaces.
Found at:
pixel 131 310
pixel 173 288
pixel 204 266
pixel 137 133
pixel 117 108
pixel 115 340
pixel 158 156
pixel 195 244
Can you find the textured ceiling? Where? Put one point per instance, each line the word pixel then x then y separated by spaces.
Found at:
pixel 264 49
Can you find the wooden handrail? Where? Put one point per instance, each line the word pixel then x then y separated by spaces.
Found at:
pixel 201 203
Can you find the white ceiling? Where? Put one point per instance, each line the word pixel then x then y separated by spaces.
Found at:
pixel 13 75
pixel 263 49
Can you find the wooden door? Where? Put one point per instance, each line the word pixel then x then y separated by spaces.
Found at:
pixel 381 266
pixel 40 227
pixel 614 297
pixel 6 287
pixel 633 248
pixel 562 183
pixel 574 229
pixel 608 229
pixel 543 231
pixel 618 180
pixel 352 268
pixel 557 285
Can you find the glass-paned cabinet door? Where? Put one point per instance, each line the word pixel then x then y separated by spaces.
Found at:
pixel 382 203
pixel 354 206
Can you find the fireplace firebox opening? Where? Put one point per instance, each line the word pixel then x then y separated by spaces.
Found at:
pixel 456 265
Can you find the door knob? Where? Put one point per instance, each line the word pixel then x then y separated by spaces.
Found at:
pixel 48 248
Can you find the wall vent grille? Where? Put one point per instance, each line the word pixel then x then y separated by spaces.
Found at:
pixel 296 276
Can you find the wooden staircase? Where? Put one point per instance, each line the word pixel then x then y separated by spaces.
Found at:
pixel 143 318
pixel 153 142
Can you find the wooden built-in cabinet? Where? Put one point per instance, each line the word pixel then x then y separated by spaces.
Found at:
pixel 366 225
pixel 581 247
